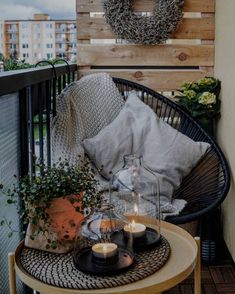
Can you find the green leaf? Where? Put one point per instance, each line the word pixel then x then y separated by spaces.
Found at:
pixel 10 234
pixel 53 244
pixel 10 201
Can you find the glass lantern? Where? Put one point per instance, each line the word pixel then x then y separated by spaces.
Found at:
pixel 95 249
pixel 134 192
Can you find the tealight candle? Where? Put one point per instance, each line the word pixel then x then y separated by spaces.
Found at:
pixel 134 229
pixel 104 250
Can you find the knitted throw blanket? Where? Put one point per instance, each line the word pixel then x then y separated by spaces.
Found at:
pixel 83 109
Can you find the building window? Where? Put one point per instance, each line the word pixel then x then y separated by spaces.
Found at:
pixel 49 55
pixel 25 55
pixel 35 55
pixel 61 55
pixel 49 36
pixel 12 27
pixel 37 26
pixel 13 37
pixel 49 46
pixel 62 27
pixel 71 26
pixel 72 37
pixel 25 45
pixel 61 46
pixel 24 25
pixel 49 25
pixel 13 46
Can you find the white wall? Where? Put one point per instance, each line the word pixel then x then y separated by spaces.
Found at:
pixel 225 70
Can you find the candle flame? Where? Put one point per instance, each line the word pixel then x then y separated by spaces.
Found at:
pixel 132 225
pixel 105 249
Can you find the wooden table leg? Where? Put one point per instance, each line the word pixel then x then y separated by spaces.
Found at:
pixel 197 270
pixel 12 275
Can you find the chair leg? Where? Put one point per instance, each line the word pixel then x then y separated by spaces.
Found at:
pixel 197 270
pixel 12 275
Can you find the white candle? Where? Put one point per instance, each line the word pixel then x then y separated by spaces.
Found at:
pixel 104 250
pixel 135 229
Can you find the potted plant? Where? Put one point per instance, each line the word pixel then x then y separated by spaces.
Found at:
pixel 52 203
pixel 201 100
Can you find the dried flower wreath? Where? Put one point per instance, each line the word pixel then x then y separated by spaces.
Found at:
pixel 140 29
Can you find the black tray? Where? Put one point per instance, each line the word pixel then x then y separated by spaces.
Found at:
pixel 151 239
pixel 84 261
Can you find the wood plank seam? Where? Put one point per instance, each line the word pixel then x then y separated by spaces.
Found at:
pixel 191 45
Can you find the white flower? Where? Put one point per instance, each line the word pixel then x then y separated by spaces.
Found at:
pixel 207 98
pixel 190 94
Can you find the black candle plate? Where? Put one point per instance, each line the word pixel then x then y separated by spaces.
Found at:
pixel 84 261
pixel 151 239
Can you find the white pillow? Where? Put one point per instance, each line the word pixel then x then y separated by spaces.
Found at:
pixel 137 129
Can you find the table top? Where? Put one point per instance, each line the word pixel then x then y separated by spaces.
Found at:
pixel 179 266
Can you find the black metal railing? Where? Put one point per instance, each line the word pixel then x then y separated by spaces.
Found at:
pixel 37 89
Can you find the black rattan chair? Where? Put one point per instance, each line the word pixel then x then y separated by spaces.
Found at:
pixel 207 185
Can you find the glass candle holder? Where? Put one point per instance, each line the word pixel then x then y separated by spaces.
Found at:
pixel 95 249
pixel 134 192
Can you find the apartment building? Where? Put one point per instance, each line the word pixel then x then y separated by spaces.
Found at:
pixel 65 32
pixel 2 37
pixel 40 38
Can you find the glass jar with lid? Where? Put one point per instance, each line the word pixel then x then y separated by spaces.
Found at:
pixel 95 249
pixel 134 192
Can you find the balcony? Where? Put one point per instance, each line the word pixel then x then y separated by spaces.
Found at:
pixel 61 30
pixel 12 41
pixel 65 30
pixel 28 105
pixel 28 98
pixel 14 30
pixel 62 40
pixel 36 90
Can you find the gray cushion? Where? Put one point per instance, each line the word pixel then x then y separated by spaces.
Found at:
pixel 137 129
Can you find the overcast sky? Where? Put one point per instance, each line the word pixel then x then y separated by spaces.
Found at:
pixel 24 9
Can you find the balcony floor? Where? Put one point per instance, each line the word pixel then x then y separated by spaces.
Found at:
pixel 219 279
pixel 216 279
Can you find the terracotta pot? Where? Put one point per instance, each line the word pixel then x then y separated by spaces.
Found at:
pixel 64 220
pixel 64 217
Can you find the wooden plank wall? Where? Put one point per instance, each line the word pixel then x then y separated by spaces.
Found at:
pixel 187 55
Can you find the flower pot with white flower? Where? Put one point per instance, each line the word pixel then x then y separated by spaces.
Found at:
pixel 201 100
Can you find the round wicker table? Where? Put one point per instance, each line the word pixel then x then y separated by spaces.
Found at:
pixel 184 258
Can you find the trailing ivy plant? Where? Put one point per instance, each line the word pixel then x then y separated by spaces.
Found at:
pixel 33 195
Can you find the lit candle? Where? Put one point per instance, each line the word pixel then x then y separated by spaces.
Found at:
pixel 104 250
pixel 135 229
